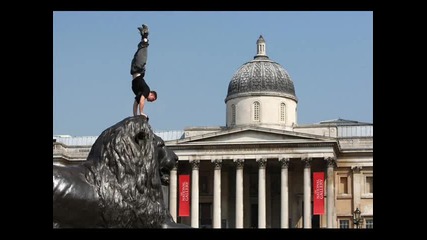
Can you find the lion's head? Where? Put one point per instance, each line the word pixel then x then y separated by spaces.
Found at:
pixel 129 164
pixel 120 183
pixel 167 159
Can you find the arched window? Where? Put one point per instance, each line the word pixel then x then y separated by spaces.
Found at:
pixel 233 114
pixel 256 111
pixel 282 112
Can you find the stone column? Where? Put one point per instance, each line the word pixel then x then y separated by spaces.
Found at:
pixel 330 193
pixel 357 182
pixel 195 193
pixel 239 192
pixel 284 194
pixel 173 186
pixel 216 223
pixel 307 193
pixel 261 193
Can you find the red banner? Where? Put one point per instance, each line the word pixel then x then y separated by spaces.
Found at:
pixel 318 193
pixel 184 195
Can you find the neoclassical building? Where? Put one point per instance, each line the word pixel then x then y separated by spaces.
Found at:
pixel 261 170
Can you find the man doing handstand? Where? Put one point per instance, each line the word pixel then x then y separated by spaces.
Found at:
pixel 139 86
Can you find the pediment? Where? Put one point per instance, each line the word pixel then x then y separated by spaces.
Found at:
pixel 253 134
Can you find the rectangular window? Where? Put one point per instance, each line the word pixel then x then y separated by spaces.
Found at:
pixel 204 185
pixel 343 187
pixel 253 185
pixel 370 223
pixel 344 224
pixel 369 185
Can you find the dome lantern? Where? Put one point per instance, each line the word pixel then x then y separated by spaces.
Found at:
pixel 261 51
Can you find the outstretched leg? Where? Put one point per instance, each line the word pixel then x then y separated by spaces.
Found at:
pixel 140 58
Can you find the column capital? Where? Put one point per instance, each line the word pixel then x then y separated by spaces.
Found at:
pixel 239 162
pixel 331 162
pixel 195 164
pixel 307 161
pixel 217 163
pixel 284 161
pixel 262 162
pixel 356 169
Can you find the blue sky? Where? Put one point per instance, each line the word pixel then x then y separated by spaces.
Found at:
pixel 192 57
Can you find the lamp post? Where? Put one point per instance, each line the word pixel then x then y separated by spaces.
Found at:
pixel 357 219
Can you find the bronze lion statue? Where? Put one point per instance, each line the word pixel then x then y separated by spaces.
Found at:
pixel 119 186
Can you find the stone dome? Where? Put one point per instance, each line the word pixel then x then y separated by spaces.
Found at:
pixel 261 77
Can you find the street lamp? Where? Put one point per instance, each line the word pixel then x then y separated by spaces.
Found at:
pixel 357 219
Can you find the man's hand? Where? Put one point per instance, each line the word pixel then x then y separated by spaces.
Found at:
pixel 145 115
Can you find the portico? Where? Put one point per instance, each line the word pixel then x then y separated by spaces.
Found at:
pixel 257 176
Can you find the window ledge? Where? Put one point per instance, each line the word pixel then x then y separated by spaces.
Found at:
pixel 344 196
pixel 368 195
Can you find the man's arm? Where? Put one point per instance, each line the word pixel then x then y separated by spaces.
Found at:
pixel 141 105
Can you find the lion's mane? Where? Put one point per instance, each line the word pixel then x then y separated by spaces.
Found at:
pixel 122 170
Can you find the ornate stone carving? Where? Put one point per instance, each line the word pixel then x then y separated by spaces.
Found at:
pixel 218 163
pixel 331 162
pixel 195 164
pixel 261 75
pixel 307 162
pixel 262 162
pixel 239 163
pixel 285 162
pixel 356 169
pixel 125 169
